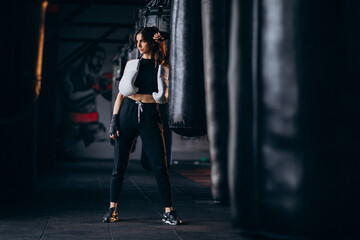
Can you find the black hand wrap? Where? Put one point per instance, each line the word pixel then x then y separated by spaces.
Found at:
pixel 114 125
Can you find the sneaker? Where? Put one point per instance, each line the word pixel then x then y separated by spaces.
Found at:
pixel 111 215
pixel 171 218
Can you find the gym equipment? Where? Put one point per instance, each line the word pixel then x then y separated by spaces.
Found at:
pixel 187 115
pixel 214 24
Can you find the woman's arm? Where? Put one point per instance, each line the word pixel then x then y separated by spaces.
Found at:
pixel 114 130
pixel 118 102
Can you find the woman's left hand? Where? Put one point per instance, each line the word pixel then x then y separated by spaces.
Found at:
pixel 158 38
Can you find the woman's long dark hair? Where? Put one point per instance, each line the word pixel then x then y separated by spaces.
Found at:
pixel 158 51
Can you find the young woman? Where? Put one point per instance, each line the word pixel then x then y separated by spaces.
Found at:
pixel 136 112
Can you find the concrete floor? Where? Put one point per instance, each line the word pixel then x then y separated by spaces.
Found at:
pixel 71 200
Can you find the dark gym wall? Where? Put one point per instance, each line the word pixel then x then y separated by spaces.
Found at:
pixel 47 103
pixel 23 25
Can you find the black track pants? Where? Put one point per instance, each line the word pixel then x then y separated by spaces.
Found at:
pixel 141 119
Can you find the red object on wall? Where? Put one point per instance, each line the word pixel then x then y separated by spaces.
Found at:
pixel 85 117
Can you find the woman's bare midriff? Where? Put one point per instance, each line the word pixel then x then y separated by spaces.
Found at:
pixel 144 98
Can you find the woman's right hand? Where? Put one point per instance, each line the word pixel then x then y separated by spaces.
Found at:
pixel 114 129
pixel 158 38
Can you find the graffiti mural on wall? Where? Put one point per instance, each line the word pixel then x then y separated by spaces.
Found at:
pixel 81 83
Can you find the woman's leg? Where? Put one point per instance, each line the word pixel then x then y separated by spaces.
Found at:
pixel 152 136
pixel 122 150
pixel 151 133
pixel 163 109
pixel 123 147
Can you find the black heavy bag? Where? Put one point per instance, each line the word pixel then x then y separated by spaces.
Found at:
pixel 242 116
pixel 302 174
pixel 214 24
pixel 282 172
pixel 187 115
pixel 156 13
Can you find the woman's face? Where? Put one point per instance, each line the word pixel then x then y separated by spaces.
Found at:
pixel 143 46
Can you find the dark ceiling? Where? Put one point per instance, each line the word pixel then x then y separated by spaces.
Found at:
pixel 82 23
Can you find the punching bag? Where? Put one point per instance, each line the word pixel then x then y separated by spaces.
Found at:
pixel 214 24
pixel 294 118
pixel 187 114
pixel 242 115
pixel 156 13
